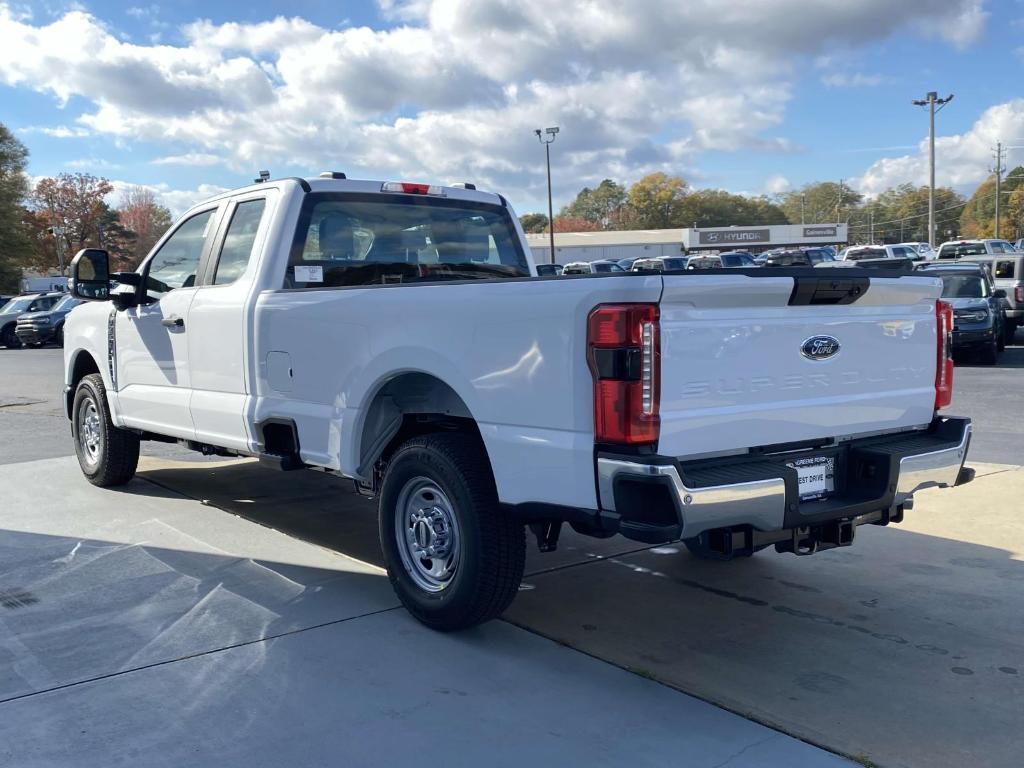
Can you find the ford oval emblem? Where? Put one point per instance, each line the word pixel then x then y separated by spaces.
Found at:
pixel 820 347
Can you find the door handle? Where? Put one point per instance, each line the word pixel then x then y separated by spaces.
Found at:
pixel 172 322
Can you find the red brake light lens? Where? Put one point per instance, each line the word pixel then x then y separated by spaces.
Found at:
pixel 411 188
pixel 944 354
pixel 624 354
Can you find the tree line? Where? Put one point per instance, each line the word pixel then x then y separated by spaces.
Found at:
pixel 900 214
pixel 43 226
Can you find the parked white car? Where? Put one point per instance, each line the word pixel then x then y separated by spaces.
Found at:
pixel 395 334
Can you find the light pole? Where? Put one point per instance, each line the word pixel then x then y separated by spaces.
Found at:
pixel 931 101
pixel 545 138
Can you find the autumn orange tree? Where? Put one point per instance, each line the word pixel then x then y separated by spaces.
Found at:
pixel 142 215
pixel 68 212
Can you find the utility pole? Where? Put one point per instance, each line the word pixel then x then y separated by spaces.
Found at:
pixel 802 200
pixel 839 200
pixel 931 101
pixel 999 181
pixel 871 215
pixel 550 133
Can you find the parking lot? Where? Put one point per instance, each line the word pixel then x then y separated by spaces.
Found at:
pixel 212 610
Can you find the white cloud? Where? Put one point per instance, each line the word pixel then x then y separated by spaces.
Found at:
pixel 177 200
pixel 961 160
pixel 455 90
pixel 776 185
pixel 853 80
pixel 190 158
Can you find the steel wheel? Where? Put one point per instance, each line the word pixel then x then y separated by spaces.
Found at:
pixel 90 432
pixel 427 534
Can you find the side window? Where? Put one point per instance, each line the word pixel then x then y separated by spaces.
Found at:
pixel 238 242
pixel 1004 270
pixel 997 247
pixel 176 263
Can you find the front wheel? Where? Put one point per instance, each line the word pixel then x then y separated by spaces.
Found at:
pixel 107 455
pixel 990 354
pixel 9 338
pixel 453 557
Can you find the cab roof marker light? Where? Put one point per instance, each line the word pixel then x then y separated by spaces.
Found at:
pixel 410 188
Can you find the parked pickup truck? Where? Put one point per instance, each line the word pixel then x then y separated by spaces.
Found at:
pixel 397 334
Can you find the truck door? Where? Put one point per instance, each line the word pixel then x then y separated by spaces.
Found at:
pixel 153 382
pixel 218 323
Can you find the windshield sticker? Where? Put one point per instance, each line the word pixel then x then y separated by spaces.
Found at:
pixel 309 274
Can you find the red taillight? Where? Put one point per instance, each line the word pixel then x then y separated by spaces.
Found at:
pixel 411 188
pixel 1018 294
pixel 624 353
pixel 944 354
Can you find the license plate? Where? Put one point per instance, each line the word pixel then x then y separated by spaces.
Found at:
pixel 815 476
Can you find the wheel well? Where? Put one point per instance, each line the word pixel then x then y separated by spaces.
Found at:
pixel 408 405
pixel 84 365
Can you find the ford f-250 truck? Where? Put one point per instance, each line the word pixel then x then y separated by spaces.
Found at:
pixel 397 334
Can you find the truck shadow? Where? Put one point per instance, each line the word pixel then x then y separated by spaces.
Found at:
pixel 916 628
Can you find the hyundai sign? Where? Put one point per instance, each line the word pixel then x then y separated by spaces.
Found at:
pixel 735 236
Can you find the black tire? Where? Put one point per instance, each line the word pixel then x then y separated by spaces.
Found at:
pixel 9 338
pixel 58 336
pixel 489 546
pixel 107 455
pixel 990 354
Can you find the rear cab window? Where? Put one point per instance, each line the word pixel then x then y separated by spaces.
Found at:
pixel 1004 269
pixel 359 239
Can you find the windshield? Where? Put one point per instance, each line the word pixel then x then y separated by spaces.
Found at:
pixel 962 287
pixel 674 263
pixel 16 305
pixel 66 303
pixel 608 267
pixel 867 253
pixel 373 239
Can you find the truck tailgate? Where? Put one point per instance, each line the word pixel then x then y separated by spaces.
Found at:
pixel 733 373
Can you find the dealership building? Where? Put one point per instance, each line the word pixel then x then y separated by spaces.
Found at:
pixel 591 246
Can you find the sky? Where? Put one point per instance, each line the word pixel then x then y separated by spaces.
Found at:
pixel 752 96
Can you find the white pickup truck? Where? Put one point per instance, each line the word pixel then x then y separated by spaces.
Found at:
pixel 397 334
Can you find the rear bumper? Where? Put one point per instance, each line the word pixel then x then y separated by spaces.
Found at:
pixel 660 499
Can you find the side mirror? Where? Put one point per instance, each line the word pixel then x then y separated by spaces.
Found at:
pixel 90 275
pixel 999 293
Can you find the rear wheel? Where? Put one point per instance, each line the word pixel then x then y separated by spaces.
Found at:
pixel 107 455
pixel 453 557
pixel 9 338
pixel 58 337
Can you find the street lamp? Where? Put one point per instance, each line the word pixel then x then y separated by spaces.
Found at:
pixel 546 137
pixel 930 100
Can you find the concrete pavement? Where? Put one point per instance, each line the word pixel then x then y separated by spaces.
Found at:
pixel 141 627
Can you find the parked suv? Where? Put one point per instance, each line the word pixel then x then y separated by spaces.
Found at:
pixel 727 260
pixel 31 302
pixel 979 320
pixel 1007 272
pixel 45 326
